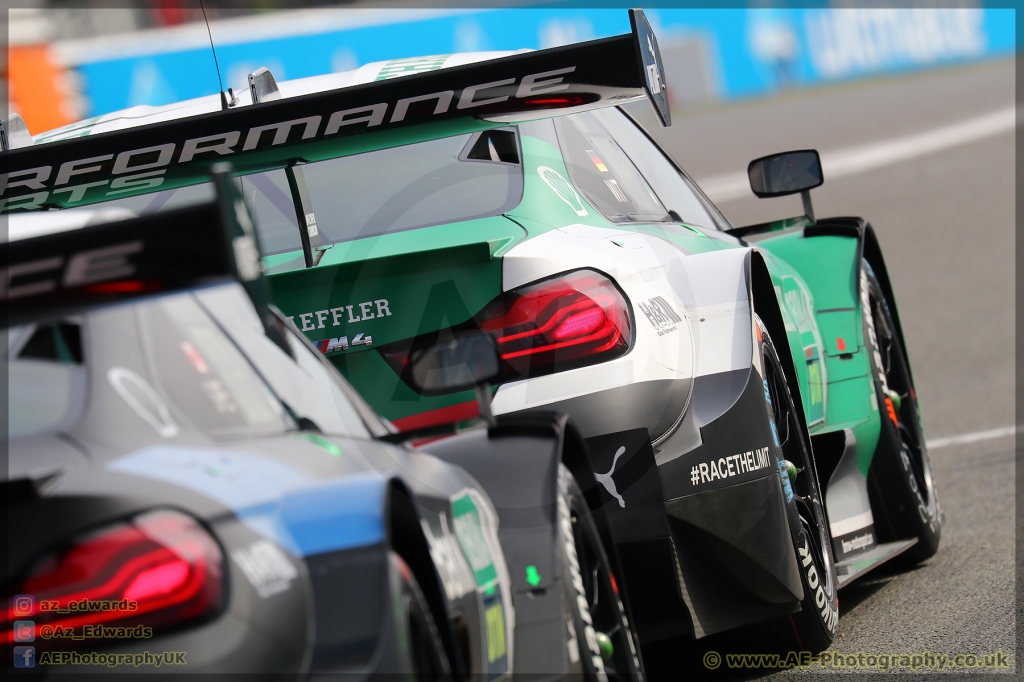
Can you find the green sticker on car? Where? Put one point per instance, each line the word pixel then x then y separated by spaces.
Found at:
pixel 468 530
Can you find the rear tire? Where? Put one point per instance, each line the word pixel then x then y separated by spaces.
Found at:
pixel 592 595
pixel 900 482
pixel 814 626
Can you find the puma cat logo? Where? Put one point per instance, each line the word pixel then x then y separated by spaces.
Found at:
pixel 606 479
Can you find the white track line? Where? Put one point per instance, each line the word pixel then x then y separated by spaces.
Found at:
pixel 972 437
pixel 874 155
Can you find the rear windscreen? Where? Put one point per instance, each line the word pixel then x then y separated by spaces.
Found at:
pixel 403 188
pixel 390 190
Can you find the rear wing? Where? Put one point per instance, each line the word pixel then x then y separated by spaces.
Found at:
pixel 71 271
pixel 275 133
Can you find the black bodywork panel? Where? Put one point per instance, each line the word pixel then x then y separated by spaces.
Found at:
pixel 703 552
pixel 519 473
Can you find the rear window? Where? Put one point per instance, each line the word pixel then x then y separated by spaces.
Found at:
pixel 418 185
pixel 390 190
pixel 604 173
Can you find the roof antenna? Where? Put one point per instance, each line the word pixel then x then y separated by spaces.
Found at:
pixel 223 98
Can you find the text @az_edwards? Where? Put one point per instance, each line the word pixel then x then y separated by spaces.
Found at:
pixel 925 660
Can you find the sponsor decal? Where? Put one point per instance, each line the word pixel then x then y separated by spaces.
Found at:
pixel 194 357
pixel 219 396
pixel 340 343
pixel 266 567
pixel 613 187
pixel 859 542
pixel 143 400
pixel 597 161
pixel 661 315
pixel 653 74
pixel 797 306
pixel 631 472
pixel 727 467
pixel 608 482
pixel 494 617
pixel 336 317
pixel 311 228
pixel 82 268
pixel 451 565
pixel 475 526
pixel 467 523
pixel 828 614
pixel 405 67
pixel 565 191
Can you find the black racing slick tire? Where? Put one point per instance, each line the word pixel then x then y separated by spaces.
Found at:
pixel 416 626
pixel 814 626
pixel 900 483
pixel 595 617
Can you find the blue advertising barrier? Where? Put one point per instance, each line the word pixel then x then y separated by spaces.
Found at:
pixel 748 52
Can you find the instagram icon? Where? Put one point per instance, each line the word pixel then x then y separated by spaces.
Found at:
pixel 24 605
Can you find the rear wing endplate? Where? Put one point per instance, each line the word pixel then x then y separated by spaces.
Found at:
pixel 67 272
pixel 271 134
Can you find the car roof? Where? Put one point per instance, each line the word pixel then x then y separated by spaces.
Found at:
pixel 145 114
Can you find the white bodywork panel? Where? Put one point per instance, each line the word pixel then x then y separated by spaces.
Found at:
pixel 709 291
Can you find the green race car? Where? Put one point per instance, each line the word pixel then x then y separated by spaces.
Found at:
pixel 744 394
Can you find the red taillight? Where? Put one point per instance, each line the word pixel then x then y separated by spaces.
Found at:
pixel 562 323
pixel 557 324
pixel 124 286
pixel 554 102
pixel 160 569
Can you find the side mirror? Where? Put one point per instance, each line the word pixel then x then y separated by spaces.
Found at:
pixel 458 364
pixel 787 173
pixel 463 362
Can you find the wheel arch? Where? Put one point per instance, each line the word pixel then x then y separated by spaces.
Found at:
pixel 520 475
pixel 405 536
pixel 871 252
pixel 765 304
pixel 571 450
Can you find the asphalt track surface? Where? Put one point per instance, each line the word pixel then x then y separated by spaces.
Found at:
pixel 945 221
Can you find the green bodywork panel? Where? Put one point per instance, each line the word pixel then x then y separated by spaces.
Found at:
pixel 431 278
pixel 829 266
pixel 540 205
pixel 796 302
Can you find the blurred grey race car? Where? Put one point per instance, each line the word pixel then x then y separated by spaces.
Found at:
pixel 192 486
